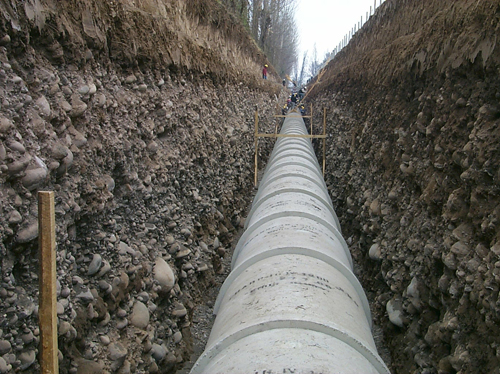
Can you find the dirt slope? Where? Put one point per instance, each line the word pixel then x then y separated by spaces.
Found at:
pixel 413 167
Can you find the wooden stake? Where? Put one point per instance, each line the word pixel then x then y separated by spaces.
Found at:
pixel 47 314
pixel 324 141
pixel 256 144
pixel 311 119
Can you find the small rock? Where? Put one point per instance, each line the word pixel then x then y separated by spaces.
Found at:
pixel 125 368
pixel 15 217
pixel 79 107
pixel 90 367
pixel 83 90
pixel 142 88
pixel 65 292
pixel 186 233
pixel 59 151
pixel 5 40
pixel 4 367
pixel 163 274
pixel 16 146
pixel 117 352
pixel 28 337
pixel 103 285
pixel 34 178
pixel 27 359
pixel 43 106
pixel 153 368
pixel 65 163
pixel 121 324
pixel 171 359
pixel 3 152
pixel 105 340
pixel 59 309
pixel 158 352
pixel 18 166
pixel 95 264
pixel 64 328
pixel 394 309
pixel 375 252
pixel 460 249
pixel 143 297
pixel 375 208
pixel 85 296
pixel 408 170
pixel 100 100
pixel 130 79
pixel 177 337
pixel 5 125
pixel 179 310
pixel 5 347
pixel 140 315
pixel 496 249
pixel 183 253
pixel 123 249
pixel 461 103
pixel 65 106
pixel 28 233
pixel 202 267
pixel 153 147
pixel 216 243
pixel 78 139
pixel 92 89
pixel 106 267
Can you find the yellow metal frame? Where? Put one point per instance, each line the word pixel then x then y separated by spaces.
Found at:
pixel 258 135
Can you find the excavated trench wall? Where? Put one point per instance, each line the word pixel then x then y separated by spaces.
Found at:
pixel 139 115
pixel 413 170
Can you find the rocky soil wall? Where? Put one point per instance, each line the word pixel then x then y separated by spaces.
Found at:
pixel 139 115
pixel 413 169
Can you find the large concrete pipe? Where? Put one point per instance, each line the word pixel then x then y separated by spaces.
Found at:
pixel 291 303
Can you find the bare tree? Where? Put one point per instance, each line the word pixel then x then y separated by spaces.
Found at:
pixel 299 71
pixel 272 25
pixel 239 8
pixel 314 63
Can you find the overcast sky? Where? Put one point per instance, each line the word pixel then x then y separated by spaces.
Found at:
pixel 325 22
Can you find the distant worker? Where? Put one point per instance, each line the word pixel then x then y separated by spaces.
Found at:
pixel 302 92
pixel 285 109
pixel 284 82
pixel 264 72
pixel 302 109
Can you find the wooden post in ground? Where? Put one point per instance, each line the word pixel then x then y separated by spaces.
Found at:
pixel 47 314
pixel 256 144
pixel 324 141
pixel 311 120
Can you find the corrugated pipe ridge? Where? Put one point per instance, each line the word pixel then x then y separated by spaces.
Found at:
pixel 291 303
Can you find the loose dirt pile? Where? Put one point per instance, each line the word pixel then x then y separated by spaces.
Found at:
pixel 413 168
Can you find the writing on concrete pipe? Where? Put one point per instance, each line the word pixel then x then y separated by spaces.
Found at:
pixel 291 303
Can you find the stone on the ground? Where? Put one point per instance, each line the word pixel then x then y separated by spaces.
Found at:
pixel 140 315
pixel 163 274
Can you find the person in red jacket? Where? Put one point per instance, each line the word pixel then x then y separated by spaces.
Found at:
pixel 264 72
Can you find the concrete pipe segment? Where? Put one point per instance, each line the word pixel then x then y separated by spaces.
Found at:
pixel 291 303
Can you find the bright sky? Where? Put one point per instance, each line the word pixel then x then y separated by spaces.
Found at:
pixel 325 22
